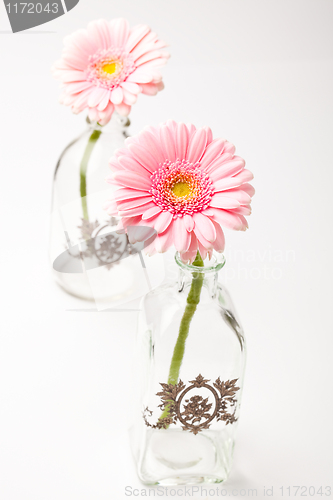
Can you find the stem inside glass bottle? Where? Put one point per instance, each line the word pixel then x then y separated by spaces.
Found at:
pixel 192 302
pixel 83 171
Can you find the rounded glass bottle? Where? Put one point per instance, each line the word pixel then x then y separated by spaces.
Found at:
pixel 86 263
pixel 187 408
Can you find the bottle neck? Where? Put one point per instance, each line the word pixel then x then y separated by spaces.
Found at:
pixel 117 125
pixel 208 273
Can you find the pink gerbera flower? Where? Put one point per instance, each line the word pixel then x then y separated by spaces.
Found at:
pixel 106 66
pixel 184 184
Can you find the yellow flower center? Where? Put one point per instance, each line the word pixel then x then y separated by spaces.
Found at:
pixel 181 189
pixel 110 68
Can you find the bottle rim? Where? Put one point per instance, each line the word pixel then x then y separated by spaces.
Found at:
pixel 212 265
pixel 116 120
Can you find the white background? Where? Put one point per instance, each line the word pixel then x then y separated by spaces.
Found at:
pixel 260 73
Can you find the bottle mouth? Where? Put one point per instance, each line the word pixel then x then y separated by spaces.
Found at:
pixel 116 121
pixel 210 265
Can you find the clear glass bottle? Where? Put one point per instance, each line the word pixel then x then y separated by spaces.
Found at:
pixel 86 263
pixel 184 432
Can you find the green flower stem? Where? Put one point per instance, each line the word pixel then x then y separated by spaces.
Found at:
pixel 193 300
pixel 83 171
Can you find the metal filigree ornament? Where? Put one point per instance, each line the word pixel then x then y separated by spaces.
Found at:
pixel 195 413
pixel 108 249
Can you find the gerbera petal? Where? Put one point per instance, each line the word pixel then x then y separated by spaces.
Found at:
pixel 230 182
pixel 227 219
pixel 130 163
pixel 219 243
pixel 207 244
pixel 159 84
pixel 129 98
pixel 248 189
pixel 145 45
pixel 105 101
pixel 172 126
pixel 164 241
pixel 218 162
pixel 153 146
pixel 120 227
pixel 213 150
pixel 191 253
pixel 81 100
pixel 202 250
pixel 128 194
pixel 131 140
pixel 140 76
pixel 76 60
pixel 151 212
pixel 205 226
pixel 155 131
pixel 188 222
pixel 191 129
pixel 123 109
pixel 132 203
pixel 137 34
pixel 229 148
pixel 181 140
pixel 149 88
pixel 136 210
pixel 131 221
pixel 209 134
pixel 157 79
pixel 182 238
pixel 125 151
pixel 96 96
pixel 160 44
pixel 219 168
pixel 106 33
pixel 143 156
pixel 153 68
pixel 134 88
pixel 120 31
pixel 220 201
pixel 72 76
pixel 244 176
pixel 227 183
pixel 93 115
pixel 207 211
pixel 132 180
pixel 197 145
pixel 149 247
pixel 111 207
pixel 139 233
pixel 80 42
pixel 167 143
pixel 243 210
pixel 238 194
pixel 153 54
pixel 76 87
pixel 105 115
pixel 245 224
pixel 117 95
pixel 96 32
pixel 162 221
pixel 115 167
